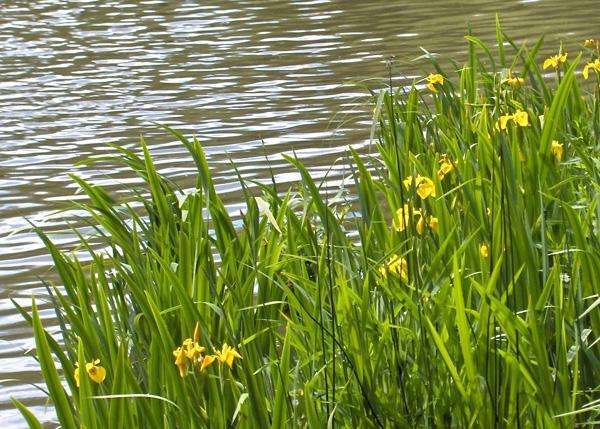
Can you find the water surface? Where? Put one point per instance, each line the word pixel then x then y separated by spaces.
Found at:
pixel 252 79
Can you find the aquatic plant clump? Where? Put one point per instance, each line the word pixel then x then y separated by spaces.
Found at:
pixel 463 291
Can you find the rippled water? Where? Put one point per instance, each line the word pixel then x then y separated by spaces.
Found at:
pixel 77 75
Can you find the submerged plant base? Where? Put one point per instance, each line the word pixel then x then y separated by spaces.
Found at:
pixel 469 298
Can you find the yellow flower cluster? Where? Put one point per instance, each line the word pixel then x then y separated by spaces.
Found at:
pixel 555 61
pixel 403 215
pixel 520 117
pixel 434 79
pixel 432 222
pixel 191 352
pixel 93 370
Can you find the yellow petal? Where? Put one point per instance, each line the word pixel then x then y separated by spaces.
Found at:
pixel 504 121
pixel 176 351
pixel 229 359
pixel 515 81
pixel 553 61
pixel 586 70
pixel 425 187
pixel 194 350
pixel 433 223
pixel 97 374
pixel 383 271
pixel 222 355
pixel 431 87
pixel 521 118
pixel 445 168
pixel 398 266
pixel 402 218
pixel 76 376
pixel 180 362
pixel 547 63
pixel 421 225
pixel 207 361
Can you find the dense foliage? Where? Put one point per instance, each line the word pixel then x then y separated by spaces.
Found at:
pixel 457 288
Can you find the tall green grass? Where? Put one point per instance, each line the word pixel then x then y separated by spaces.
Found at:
pixel 488 318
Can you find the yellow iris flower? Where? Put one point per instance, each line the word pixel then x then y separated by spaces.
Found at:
pixel 484 251
pixel 520 117
pixel 514 81
pixel 595 65
pixel 192 349
pixel 434 79
pixel 227 354
pixel 424 185
pixel 589 43
pixel 94 371
pixel 397 266
pixel 557 150
pixel 446 167
pixel 555 61
pixel 189 350
pixel 433 223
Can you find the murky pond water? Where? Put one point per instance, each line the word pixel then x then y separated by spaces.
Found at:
pixel 251 79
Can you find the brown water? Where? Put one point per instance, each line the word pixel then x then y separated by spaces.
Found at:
pixel 75 76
